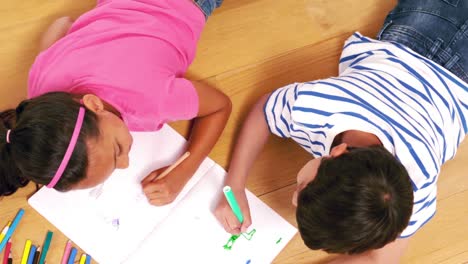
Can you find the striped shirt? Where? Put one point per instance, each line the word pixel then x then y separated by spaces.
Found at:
pixel 415 107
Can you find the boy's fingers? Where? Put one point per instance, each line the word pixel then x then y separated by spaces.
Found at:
pixel 245 225
pixel 234 225
pixel 236 231
pixel 226 225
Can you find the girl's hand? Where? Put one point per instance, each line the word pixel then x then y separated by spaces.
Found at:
pixel 226 217
pixel 164 191
pixel 213 113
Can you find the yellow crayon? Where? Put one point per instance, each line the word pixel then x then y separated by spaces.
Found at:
pixel 83 259
pixel 4 231
pixel 27 247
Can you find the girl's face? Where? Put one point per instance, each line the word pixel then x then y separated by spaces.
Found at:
pixel 110 150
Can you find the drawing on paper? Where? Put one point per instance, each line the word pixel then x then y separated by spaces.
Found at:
pixel 233 238
pixel 116 224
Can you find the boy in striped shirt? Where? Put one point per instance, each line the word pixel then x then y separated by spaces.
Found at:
pixel 379 134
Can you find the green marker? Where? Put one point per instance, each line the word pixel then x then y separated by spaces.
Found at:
pixel 233 203
pixel 46 247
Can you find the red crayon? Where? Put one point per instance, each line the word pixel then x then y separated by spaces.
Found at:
pixel 7 256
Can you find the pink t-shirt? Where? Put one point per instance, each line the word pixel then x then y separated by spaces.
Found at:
pixel 131 53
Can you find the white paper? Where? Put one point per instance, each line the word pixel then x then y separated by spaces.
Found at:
pixel 191 233
pixel 114 222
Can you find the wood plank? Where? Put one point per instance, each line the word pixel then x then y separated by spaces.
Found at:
pixel 445 236
pixel 244 32
pixel 21 25
pixel 249 48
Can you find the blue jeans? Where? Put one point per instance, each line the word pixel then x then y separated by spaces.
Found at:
pixel 436 29
pixel 207 6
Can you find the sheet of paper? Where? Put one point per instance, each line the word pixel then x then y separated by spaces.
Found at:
pixel 114 223
pixel 191 233
pixel 111 220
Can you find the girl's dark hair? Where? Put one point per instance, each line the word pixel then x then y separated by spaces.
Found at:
pixel 41 129
pixel 358 201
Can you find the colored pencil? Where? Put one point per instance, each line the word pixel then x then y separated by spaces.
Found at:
pixel 12 228
pixel 88 259
pixel 173 166
pixel 7 252
pixel 83 259
pixel 46 247
pixel 4 231
pixel 27 248
pixel 31 254
pixel 66 253
pixel 71 258
pixel 37 255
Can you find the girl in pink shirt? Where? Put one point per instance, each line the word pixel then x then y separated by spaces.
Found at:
pixel 118 67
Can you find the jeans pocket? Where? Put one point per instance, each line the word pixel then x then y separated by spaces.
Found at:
pixel 409 37
pixel 384 27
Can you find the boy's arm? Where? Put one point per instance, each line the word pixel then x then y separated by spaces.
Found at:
pixel 391 253
pixel 252 138
pixel 213 113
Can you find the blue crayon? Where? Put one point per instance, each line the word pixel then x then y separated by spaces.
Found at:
pixel 32 252
pixel 71 258
pixel 12 228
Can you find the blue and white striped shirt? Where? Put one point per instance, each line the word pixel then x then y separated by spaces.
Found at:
pixel 415 107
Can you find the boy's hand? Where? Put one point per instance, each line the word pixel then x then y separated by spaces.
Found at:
pixel 164 191
pixel 226 217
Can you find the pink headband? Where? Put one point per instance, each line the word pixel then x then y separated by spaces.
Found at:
pixel 71 147
pixel 8 136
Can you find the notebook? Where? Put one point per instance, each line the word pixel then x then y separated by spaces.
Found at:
pixel 114 222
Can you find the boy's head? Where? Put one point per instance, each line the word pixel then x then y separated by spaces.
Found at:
pixel 353 201
pixel 36 135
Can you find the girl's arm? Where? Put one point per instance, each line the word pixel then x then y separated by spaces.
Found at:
pixel 56 31
pixel 213 113
pixel 214 110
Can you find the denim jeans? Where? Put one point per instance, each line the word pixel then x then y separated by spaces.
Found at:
pixel 436 29
pixel 208 6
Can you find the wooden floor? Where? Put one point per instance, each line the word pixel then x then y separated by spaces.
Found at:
pixel 249 47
